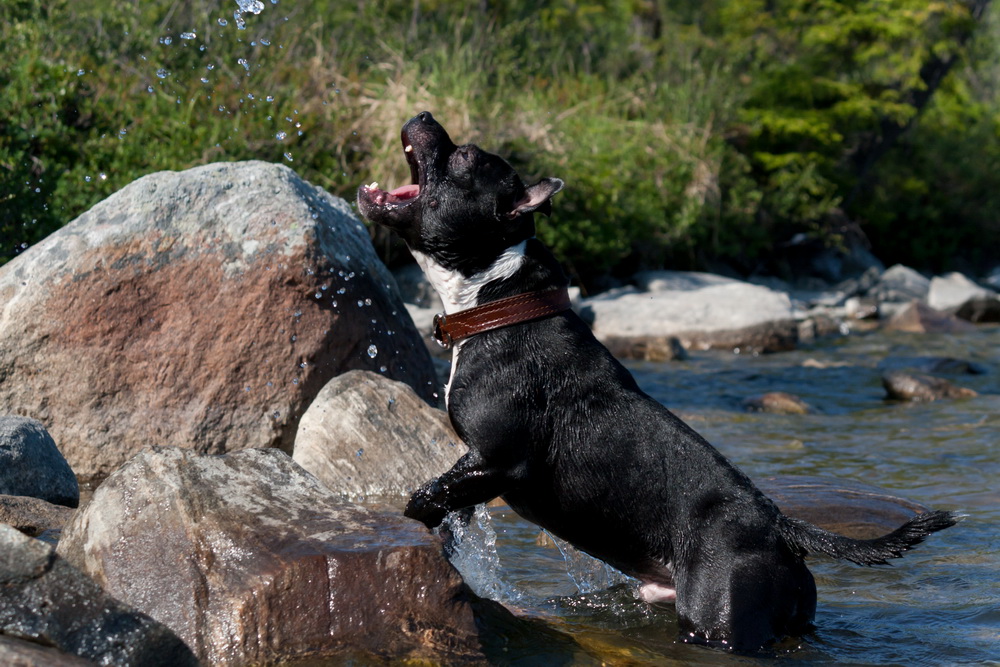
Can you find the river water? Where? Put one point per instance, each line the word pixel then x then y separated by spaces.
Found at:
pixel 940 604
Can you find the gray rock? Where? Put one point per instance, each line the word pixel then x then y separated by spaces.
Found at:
pixel 45 600
pixel 900 284
pixel 702 310
pixel 366 435
pixel 31 464
pixel 203 309
pixel 955 293
pixel 252 560
pixel 32 516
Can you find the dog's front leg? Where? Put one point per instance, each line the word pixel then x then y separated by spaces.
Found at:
pixel 469 482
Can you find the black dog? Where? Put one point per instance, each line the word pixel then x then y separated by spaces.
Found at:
pixel 559 429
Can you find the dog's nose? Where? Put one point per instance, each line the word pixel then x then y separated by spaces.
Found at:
pixel 425 117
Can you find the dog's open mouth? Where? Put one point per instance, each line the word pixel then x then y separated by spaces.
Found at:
pixel 404 194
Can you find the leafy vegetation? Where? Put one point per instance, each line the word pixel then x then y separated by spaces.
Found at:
pixel 686 132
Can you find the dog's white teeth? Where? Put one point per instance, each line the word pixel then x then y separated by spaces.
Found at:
pixel 373 186
pixel 408 149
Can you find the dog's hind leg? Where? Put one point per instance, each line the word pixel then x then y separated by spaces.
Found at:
pixel 469 482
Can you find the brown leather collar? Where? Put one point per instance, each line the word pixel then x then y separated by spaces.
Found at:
pixel 449 329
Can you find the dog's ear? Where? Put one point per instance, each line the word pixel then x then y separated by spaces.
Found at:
pixel 537 196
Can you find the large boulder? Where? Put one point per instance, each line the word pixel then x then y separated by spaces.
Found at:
pixel 366 435
pixel 252 560
pixel 900 284
pixel 702 310
pixel 202 308
pixel 955 293
pixel 31 464
pixel 45 600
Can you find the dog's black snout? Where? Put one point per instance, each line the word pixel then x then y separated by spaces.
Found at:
pixel 425 117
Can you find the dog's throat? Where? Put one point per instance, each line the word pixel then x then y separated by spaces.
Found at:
pixel 453 327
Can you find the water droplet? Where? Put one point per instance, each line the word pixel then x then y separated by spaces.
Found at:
pixel 295 380
pixel 204 79
pixel 210 66
pixel 87 178
pixel 383 369
pixel 318 295
pixel 245 63
pixel 252 6
pixel 188 35
pixel 265 42
pixel 80 72
pixel 280 136
pixel 360 452
pixel 368 302
pixel 149 89
pixel 372 351
pixel 288 156
pixel 269 98
pixel 162 73
pixel 275 414
pixel 167 40
pixel 103 176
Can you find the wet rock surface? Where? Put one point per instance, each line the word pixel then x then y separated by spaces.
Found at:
pixel 918 317
pixel 777 402
pixel 31 464
pixel 367 435
pixel 203 309
pixel 250 559
pixel 20 653
pixel 903 386
pixel 46 601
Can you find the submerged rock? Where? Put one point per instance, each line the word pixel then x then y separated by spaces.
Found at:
pixel 702 310
pixel 202 308
pixel 47 601
pixel 903 386
pixel 251 559
pixel 31 464
pixel 367 435
pixel 777 402
pixel 843 506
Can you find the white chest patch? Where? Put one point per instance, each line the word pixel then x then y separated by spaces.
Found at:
pixel 459 293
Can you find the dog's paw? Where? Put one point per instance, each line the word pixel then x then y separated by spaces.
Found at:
pixel 424 508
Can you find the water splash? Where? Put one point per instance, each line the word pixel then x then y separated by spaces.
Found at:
pixel 372 351
pixel 251 6
pixel 475 555
pixel 589 574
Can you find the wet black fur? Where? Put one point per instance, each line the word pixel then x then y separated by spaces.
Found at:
pixel 559 428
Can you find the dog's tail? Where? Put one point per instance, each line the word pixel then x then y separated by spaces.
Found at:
pixel 813 539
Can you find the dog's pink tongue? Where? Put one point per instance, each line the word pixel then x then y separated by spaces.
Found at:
pixel 406 192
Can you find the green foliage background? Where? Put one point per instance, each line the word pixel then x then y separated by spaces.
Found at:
pixel 688 133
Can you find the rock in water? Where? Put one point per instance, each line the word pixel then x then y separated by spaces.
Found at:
pixel 366 435
pixel 31 464
pixel 903 386
pixel 45 600
pixel 251 560
pixel 202 308
pixel 702 310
